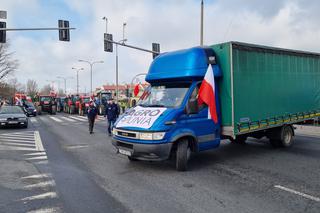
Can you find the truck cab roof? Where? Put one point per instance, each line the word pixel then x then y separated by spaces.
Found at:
pixel 181 65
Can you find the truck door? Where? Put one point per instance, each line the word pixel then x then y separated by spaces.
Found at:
pixel 204 128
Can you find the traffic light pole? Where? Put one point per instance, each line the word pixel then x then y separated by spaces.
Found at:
pixel 35 29
pixel 132 47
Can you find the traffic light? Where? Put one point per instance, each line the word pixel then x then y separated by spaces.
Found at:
pixel 155 48
pixel 64 34
pixel 2 32
pixel 108 45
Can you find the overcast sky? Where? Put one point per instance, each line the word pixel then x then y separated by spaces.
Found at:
pixel 174 24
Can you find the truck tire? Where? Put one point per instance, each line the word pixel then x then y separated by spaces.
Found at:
pixel 132 159
pixel 282 137
pixel 53 110
pixel 182 155
pixel 39 110
pixel 286 136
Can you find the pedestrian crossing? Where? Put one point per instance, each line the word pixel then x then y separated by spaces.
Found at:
pixel 65 119
pixel 35 186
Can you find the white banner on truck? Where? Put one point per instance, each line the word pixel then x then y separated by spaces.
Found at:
pixel 142 117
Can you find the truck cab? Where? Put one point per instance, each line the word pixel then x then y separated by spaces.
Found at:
pixel 167 119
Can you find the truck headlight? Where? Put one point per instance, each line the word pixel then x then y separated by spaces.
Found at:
pixel 114 131
pixel 151 136
pixel 34 110
pixel 145 136
pixel 158 135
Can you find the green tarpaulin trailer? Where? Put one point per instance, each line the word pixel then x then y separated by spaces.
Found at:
pixel 264 87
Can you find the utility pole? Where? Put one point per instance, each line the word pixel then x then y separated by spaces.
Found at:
pixel 77 70
pixel 201 25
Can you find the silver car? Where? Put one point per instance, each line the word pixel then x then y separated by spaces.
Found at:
pixel 13 116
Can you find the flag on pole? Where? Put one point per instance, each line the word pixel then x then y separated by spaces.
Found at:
pixel 207 94
pixel 136 89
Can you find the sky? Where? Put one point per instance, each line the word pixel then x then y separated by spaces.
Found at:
pixel 175 24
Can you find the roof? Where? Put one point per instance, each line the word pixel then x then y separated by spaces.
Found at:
pixel 179 65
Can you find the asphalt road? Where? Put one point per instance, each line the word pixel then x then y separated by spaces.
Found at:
pixel 57 166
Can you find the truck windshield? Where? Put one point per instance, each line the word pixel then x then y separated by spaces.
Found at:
pixel 45 98
pixel 163 96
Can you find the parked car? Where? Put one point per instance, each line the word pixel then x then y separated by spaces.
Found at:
pixel 13 116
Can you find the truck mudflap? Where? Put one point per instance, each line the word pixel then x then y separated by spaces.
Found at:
pixel 148 152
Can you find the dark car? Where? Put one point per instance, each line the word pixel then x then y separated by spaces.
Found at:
pixel 13 116
pixel 29 109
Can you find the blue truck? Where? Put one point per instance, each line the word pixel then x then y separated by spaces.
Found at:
pixel 255 91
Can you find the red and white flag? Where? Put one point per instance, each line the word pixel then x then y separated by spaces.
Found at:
pixel 207 94
pixel 136 89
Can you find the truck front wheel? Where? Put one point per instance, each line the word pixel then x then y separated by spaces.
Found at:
pixel 182 155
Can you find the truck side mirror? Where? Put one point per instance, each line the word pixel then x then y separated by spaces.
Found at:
pixel 192 106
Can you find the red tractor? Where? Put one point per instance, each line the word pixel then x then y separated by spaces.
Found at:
pixel 46 103
pixel 84 102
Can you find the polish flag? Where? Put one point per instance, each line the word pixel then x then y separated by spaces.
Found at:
pixel 207 94
pixel 136 90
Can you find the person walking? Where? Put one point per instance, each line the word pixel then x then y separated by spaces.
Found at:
pixel 92 113
pixel 112 113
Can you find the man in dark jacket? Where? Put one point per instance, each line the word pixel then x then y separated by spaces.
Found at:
pixel 92 113
pixel 112 113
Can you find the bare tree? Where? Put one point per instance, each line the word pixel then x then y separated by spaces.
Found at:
pixel 32 87
pixel 7 64
pixel 46 89
pixel 16 86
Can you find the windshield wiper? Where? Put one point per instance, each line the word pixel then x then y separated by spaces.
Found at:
pixel 156 105
pixel 151 105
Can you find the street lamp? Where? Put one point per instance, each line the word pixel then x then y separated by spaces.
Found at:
pixel 65 82
pixel 77 70
pixel 117 61
pixel 91 65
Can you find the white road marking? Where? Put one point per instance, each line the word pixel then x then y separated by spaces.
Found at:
pixel 82 117
pixel 35 154
pixel 44 184
pixel 310 197
pixel 46 210
pixel 55 119
pixel 44 175
pixel 16 140
pixel 33 120
pixel 68 119
pixel 44 157
pixel 16 144
pixel 41 196
pixel 38 141
pixel 76 118
pixel 24 133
